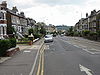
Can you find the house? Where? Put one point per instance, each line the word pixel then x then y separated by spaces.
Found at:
pixel 10 19
pixel 3 21
pixel 92 21
pixel 31 23
pixel 50 28
pixel 98 21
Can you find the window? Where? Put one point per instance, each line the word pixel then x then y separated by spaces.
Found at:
pixel 1 15
pixel 3 30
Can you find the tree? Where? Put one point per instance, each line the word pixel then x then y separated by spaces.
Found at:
pixel 30 31
pixel 70 31
pixel 43 31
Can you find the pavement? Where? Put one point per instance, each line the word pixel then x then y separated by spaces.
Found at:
pixel 22 63
pixel 21 47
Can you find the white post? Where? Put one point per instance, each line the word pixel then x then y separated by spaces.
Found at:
pixel 5 30
pixel 4 16
pixel 1 30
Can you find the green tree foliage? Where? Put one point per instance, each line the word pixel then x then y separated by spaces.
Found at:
pixel 43 30
pixel 30 31
pixel 70 31
pixel 39 30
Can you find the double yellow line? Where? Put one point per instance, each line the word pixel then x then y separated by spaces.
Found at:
pixel 40 70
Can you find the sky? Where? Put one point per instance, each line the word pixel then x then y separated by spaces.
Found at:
pixel 56 12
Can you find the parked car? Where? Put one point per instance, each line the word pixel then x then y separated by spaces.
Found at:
pixel 48 38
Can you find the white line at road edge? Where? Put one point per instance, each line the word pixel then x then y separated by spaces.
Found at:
pixel 32 70
pixel 79 47
pixel 86 70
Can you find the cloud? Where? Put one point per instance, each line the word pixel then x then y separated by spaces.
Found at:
pixel 60 2
pixel 56 12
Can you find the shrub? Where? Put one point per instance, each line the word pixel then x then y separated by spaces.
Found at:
pixel 85 32
pixel 12 42
pixel 93 33
pixel 37 36
pixel 6 44
pixel 98 32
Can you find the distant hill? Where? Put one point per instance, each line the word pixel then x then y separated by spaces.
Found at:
pixel 62 27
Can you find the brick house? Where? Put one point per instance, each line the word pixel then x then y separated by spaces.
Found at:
pixel 11 18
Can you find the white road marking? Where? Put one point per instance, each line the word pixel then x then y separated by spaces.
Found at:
pixel 86 70
pixel 88 51
pixel 81 46
pixel 46 46
pixel 76 46
pixel 27 51
pixel 34 47
pixel 33 67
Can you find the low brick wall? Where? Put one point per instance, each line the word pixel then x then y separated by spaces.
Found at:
pixel 12 51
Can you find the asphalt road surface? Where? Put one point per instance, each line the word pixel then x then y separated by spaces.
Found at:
pixel 72 56
pixel 23 62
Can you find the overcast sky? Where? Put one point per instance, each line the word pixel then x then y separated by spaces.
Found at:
pixel 56 12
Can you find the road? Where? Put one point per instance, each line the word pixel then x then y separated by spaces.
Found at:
pixel 24 62
pixel 72 56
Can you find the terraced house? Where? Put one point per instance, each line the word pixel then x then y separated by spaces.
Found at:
pixel 3 20
pixel 11 18
pixel 91 22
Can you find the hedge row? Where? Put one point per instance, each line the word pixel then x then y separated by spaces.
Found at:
pixel 6 44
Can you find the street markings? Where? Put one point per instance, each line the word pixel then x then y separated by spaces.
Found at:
pixel 85 48
pixel 86 70
pixel 88 51
pixel 27 51
pixel 34 47
pixel 33 67
pixel 47 47
pixel 40 70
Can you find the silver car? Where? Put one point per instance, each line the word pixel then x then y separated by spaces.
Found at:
pixel 48 38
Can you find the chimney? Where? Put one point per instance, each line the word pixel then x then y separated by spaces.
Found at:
pixel 4 4
pixel 86 15
pixel 22 14
pixel 14 9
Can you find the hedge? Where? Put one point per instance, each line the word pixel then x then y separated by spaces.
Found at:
pixel 12 42
pixel 6 44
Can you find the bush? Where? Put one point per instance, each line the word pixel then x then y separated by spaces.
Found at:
pixel 12 42
pixel 37 36
pixel 6 44
pixel 85 32
pixel 93 33
pixel 98 32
